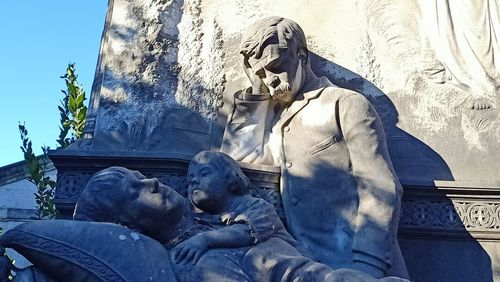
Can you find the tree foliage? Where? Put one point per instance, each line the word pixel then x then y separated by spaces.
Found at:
pixel 72 110
pixel 36 169
pixel 73 114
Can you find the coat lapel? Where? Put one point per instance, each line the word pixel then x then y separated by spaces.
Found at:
pixel 316 87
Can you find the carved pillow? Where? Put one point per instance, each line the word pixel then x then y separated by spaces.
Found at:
pixel 69 250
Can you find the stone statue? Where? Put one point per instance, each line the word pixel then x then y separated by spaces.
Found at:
pixel 201 251
pixel 340 193
pixel 241 239
pixel 461 46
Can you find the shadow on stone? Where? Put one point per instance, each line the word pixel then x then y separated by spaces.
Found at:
pixel 413 160
pixel 433 237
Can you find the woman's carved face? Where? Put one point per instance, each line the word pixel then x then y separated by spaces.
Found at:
pixel 152 205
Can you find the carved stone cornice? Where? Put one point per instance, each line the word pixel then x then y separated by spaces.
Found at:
pixel 451 209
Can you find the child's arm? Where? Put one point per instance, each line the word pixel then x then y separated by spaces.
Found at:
pixel 256 223
pixel 232 236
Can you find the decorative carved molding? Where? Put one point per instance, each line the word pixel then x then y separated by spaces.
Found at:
pixel 446 215
pixel 462 210
pixel 82 258
pixel 479 219
pixel 430 214
pixel 70 184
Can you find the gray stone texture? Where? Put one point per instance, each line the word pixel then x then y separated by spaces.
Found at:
pixel 158 91
pixel 166 67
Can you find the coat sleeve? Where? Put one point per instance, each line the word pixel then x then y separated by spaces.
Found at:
pixel 378 187
pixel 246 131
pixel 261 219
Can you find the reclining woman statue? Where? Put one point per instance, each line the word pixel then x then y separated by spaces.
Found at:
pixel 128 198
pixel 206 246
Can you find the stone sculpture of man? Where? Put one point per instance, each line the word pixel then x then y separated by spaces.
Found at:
pixel 340 193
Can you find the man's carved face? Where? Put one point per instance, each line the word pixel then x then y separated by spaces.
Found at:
pixel 281 70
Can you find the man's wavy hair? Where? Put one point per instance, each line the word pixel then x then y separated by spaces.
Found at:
pixel 228 167
pixel 272 30
pixel 101 198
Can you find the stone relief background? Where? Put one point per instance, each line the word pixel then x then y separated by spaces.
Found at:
pixel 168 69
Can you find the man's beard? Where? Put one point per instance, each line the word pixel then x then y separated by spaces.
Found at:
pixel 283 90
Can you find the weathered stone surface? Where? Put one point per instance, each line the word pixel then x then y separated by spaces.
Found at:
pixel 151 96
pixel 162 57
pixel 340 194
pixel 88 251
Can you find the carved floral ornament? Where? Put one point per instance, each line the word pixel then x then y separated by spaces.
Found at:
pixel 448 215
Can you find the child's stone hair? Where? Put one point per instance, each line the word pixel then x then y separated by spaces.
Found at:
pixel 228 166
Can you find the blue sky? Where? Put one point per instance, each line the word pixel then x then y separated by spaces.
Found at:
pixel 38 40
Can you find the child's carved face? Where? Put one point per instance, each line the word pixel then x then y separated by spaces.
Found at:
pixel 207 186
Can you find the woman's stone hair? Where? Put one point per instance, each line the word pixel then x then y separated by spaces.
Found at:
pixel 101 198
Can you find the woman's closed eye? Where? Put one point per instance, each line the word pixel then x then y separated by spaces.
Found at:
pixel 155 187
pixel 205 172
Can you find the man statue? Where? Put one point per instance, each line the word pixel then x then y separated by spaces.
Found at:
pixel 340 193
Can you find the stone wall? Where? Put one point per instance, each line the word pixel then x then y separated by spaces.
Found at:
pixel 167 71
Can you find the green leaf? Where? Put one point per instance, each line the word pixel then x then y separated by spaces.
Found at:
pixel 79 99
pixel 34 167
pixel 72 89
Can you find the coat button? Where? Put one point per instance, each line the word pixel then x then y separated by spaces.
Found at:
pixel 288 164
pixel 287 128
pixel 294 201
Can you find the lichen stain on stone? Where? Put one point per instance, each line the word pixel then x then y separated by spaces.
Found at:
pixel 141 61
pixel 118 95
pixel 201 78
pixel 134 236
